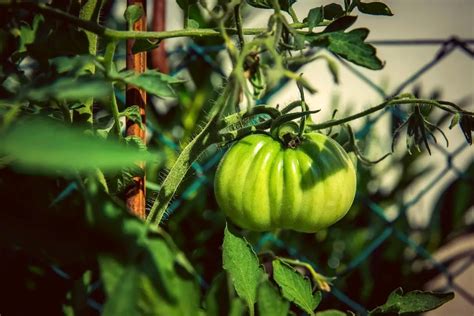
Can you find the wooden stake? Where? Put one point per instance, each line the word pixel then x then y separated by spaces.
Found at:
pixel 135 196
pixel 158 55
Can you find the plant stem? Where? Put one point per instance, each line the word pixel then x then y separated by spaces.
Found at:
pixel 111 33
pixel 439 104
pixel 109 64
pixel 238 25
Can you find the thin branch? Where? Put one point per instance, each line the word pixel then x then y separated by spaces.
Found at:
pixel 112 33
pixel 381 106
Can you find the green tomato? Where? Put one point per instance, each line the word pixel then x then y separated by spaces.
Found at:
pixel 262 185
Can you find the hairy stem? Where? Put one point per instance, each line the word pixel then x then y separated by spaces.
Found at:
pixel 188 156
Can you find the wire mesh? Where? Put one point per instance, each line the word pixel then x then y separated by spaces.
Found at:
pixel 446 47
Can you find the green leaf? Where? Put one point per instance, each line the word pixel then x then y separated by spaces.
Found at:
pixel 341 24
pixel 133 13
pixel 66 89
pixel 75 65
pixel 349 45
pixel 133 114
pixel 270 302
pixel 412 302
pixel 240 261
pixel 333 69
pixel 332 11
pixel 331 312
pixel 295 287
pixel 455 120
pixel 151 81
pixel 144 45
pixel 45 147
pixel 374 8
pixel 285 5
pixel 315 16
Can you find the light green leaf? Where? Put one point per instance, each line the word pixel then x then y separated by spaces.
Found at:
pixel 412 302
pixel 270 302
pixel 295 287
pixel 240 261
pixel 46 147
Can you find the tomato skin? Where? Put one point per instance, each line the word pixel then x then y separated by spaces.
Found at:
pixel 261 185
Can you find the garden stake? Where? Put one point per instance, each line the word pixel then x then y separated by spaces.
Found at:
pixel 135 196
pixel 158 55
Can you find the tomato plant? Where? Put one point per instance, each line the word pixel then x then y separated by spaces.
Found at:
pixel 75 242
pixel 262 184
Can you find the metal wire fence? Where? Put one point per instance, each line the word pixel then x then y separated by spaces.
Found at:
pixel 446 47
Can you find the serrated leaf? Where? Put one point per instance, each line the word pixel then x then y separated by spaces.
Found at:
pixel 151 81
pixel 331 312
pixel 315 16
pixel 412 302
pixel 295 287
pixel 240 261
pixel 349 45
pixel 333 11
pixel 374 8
pixel 270 302
pixel 133 13
pixel 341 24
pixel 144 45
pixel 133 114
pixel 45 147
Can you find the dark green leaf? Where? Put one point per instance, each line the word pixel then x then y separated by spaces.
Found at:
pixel 333 11
pixel 64 64
pixel 467 126
pixel 144 45
pixel 183 4
pixel 151 81
pixel 285 5
pixel 270 302
pixel 240 261
pixel 133 114
pixel 341 24
pixel 412 302
pixel 331 312
pixel 46 147
pixel 350 46
pixel 133 13
pixel 315 16
pixel 295 287
pixel 374 8
pixel 66 89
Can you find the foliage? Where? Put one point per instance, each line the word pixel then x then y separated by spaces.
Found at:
pixel 69 243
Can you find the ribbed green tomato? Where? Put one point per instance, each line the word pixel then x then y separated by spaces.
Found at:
pixel 261 185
